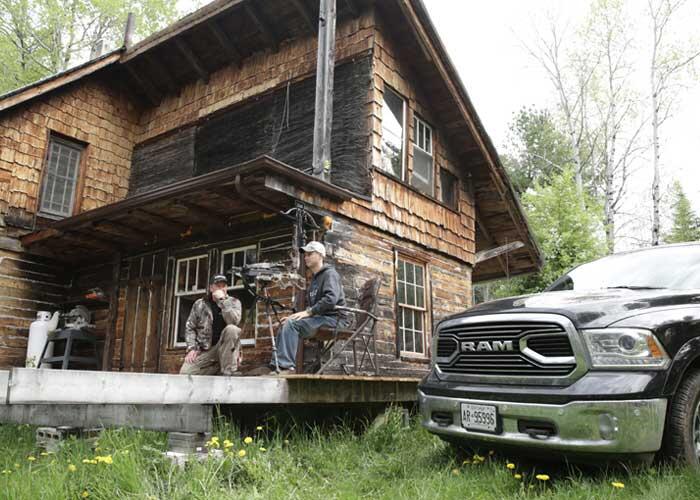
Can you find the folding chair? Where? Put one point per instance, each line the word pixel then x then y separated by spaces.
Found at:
pixel 361 333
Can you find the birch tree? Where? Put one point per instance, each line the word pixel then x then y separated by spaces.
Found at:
pixel 619 124
pixel 570 70
pixel 668 63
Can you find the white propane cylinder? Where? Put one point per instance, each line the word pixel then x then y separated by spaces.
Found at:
pixel 38 331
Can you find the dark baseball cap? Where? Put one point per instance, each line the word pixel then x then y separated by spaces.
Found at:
pixel 218 278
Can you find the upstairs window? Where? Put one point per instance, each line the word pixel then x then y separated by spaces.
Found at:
pixel 60 178
pixel 393 125
pixel 448 188
pixel 423 177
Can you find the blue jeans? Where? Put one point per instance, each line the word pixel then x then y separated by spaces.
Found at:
pixel 288 338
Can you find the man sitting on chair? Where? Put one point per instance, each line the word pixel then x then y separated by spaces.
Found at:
pixel 322 295
pixel 213 339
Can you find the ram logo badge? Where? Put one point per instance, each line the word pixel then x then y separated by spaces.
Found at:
pixel 487 346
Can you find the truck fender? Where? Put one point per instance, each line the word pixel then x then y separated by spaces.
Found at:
pixel 684 358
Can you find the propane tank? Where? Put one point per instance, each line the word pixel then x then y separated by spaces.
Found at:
pixel 38 331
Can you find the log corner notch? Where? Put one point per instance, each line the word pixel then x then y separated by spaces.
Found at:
pixel 325 66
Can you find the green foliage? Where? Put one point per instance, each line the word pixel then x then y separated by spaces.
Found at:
pixel 540 149
pixel 569 233
pixel 42 37
pixel 686 225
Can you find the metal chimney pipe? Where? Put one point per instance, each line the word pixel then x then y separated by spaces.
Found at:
pixel 325 67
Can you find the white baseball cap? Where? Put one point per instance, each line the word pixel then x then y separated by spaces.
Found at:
pixel 315 246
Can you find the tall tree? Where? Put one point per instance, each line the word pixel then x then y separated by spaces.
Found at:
pixel 685 223
pixel 570 72
pixel 42 37
pixel 669 60
pixel 537 149
pixel 617 120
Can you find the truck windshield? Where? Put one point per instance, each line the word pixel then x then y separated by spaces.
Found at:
pixel 663 267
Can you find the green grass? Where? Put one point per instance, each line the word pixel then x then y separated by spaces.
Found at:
pixel 384 462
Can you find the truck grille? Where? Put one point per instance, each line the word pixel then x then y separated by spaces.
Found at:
pixel 494 349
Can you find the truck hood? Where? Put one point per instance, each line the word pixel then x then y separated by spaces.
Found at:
pixel 591 308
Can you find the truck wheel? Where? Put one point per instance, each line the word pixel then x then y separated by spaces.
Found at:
pixel 682 435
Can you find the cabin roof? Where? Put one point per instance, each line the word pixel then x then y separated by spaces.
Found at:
pixel 226 31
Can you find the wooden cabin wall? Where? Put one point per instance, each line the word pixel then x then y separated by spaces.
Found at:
pixel 257 75
pixel 91 112
pixel 29 284
pixel 278 124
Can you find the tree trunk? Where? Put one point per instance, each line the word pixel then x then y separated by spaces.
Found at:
pixel 655 185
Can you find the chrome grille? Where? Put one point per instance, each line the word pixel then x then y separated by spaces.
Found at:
pixel 548 340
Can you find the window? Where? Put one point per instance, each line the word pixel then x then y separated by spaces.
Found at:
pixel 239 257
pixel 191 283
pixel 448 188
pixel 60 178
pixel 423 172
pixel 393 124
pixel 412 309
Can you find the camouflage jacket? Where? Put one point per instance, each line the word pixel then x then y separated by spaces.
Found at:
pixel 199 323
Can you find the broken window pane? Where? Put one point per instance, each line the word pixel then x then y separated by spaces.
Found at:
pixel 392 133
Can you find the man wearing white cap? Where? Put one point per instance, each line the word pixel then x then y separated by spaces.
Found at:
pixel 322 295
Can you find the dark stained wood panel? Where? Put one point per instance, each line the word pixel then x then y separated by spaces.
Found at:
pixel 163 161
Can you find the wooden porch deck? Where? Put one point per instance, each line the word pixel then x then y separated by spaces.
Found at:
pixel 174 402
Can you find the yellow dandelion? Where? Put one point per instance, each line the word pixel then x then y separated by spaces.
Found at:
pixel 248 440
pixel 17 466
pixel 227 444
pixel 542 477
pixel 478 458
pixel 7 471
pixel 286 441
pixel 85 494
pixel 518 476
pixel 263 449
pixel 510 466
pixel 467 462
pixel 213 442
pixel 455 472
pixel 72 468
pixel 89 461
pixel 259 428
pixel 44 454
pixel 107 459
pixel 241 453
pixel 617 484
pixel 31 458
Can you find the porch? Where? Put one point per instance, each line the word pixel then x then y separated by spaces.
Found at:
pixel 176 403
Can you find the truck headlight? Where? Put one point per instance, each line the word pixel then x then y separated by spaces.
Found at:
pixel 625 348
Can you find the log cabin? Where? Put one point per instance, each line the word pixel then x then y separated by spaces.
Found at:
pixel 139 173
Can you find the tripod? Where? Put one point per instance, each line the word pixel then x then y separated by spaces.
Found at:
pixel 272 307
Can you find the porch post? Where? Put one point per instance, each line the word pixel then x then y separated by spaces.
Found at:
pixel 112 315
pixel 325 66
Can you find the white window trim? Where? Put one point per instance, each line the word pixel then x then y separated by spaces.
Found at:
pixel 403 132
pixel 175 342
pixel 416 122
pixel 424 309
pixel 241 287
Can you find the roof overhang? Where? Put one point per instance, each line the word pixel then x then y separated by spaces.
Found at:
pixel 216 205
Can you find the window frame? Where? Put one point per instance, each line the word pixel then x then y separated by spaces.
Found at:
pixel 80 148
pixel 426 310
pixel 223 271
pixel 177 294
pixel 417 122
pixel 404 135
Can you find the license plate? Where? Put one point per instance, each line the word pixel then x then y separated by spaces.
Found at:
pixel 479 417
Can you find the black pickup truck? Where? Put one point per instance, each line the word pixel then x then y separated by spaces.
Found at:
pixel 604 364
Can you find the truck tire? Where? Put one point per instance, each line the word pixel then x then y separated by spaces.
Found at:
pixel 682 435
